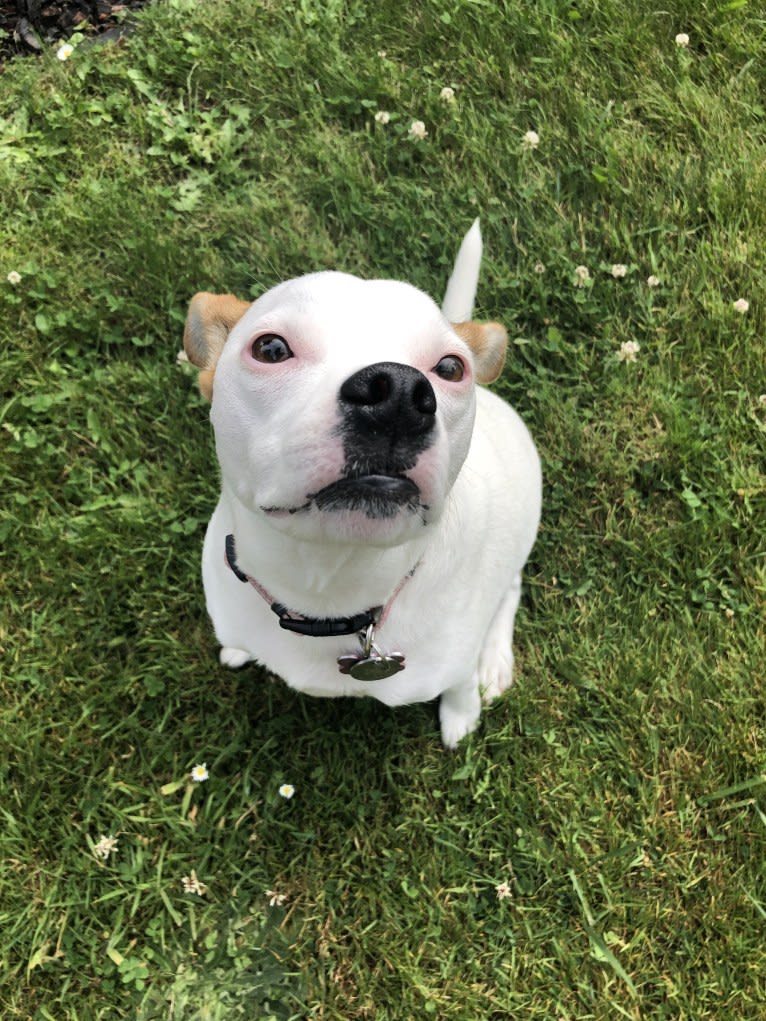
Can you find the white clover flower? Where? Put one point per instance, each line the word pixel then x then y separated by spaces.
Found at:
pixel 65 52
pixel 628 351
pixel 619 270
pixel 191 884
pixel 447 94
pixel 14 277
pixel 539 267
pixel 417 131
pixel 199 774
pixel 582 276
pixel 276 899
pixel 286 791
pixel 104 846
pixel 503 891
pixel 741 305
pixel 652 281
pixel 762 400
pixel 382 117
pixel 682 40
pixel 531 140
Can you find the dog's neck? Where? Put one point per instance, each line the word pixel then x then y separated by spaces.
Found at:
pixel 320 579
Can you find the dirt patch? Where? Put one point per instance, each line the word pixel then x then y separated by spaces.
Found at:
pixel 28 27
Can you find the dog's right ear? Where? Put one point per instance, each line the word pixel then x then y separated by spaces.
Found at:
pixel 208 322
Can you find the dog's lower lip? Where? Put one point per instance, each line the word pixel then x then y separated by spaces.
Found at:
pixel 396 486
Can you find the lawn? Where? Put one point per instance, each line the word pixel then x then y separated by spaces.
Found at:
pixel 597 849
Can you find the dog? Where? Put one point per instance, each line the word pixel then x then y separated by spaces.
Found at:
pixel 377 504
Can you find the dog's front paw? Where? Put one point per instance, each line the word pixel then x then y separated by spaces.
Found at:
pixel 459 711
pixel 233 658
pixel 495 673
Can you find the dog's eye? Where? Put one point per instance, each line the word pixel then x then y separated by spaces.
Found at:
pixel 450 368
pixel 271 348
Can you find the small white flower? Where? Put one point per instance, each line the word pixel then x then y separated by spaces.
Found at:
pixel 741 305
pixel 762 399
pixel 503 891
pixel 447 94
pixel 539 267
pixel 286 791
pixel 382 54
pixel 652 281
pixel 105 846
pixel 192 885
pixel 582 275
pixel 276 899
pixel 682 40
pixel 417 131
pixel 65 52
pixel 628 351
pixel 531 140
pixel 382 117
pixel 619 270
pixel 200 773
pixel 14 277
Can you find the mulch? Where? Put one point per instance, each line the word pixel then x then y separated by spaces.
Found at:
pixel 29 27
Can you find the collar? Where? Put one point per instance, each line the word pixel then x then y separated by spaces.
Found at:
pixel 316 627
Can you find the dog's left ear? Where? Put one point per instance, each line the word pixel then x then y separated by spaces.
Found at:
pixel 488 342
pixel 208 323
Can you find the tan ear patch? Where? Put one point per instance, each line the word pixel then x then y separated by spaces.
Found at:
pixel 208 322
pixel 489 343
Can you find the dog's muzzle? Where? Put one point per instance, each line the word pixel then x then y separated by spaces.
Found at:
pixel 388 416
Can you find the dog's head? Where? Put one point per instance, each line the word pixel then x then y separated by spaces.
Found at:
pixel 343 408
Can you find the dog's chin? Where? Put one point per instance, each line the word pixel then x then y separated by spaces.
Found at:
pixel 372 509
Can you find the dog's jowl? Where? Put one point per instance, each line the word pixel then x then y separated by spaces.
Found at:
pixel 377 504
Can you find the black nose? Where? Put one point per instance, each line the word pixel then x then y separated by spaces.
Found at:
pixel 391 399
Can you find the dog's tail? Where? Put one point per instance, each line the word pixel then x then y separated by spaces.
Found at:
pixel 461 288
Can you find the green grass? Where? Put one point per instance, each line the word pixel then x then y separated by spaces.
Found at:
pixel 619 790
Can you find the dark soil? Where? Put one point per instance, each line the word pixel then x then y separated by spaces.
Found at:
pixel 28 27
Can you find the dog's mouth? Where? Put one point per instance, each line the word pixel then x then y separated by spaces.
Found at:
pixel 374 495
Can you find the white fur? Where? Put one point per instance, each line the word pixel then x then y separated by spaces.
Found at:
pixel 277 441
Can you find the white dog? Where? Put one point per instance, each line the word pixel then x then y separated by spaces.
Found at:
pixel 377 507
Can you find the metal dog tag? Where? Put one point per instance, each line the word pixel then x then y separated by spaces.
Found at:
pixel 370 664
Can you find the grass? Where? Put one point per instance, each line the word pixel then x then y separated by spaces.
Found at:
pixel 618 793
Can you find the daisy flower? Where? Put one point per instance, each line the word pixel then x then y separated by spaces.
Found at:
pixel 286 791
pixel 200 773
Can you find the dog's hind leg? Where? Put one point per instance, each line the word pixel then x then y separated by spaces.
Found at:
pixel 495 671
